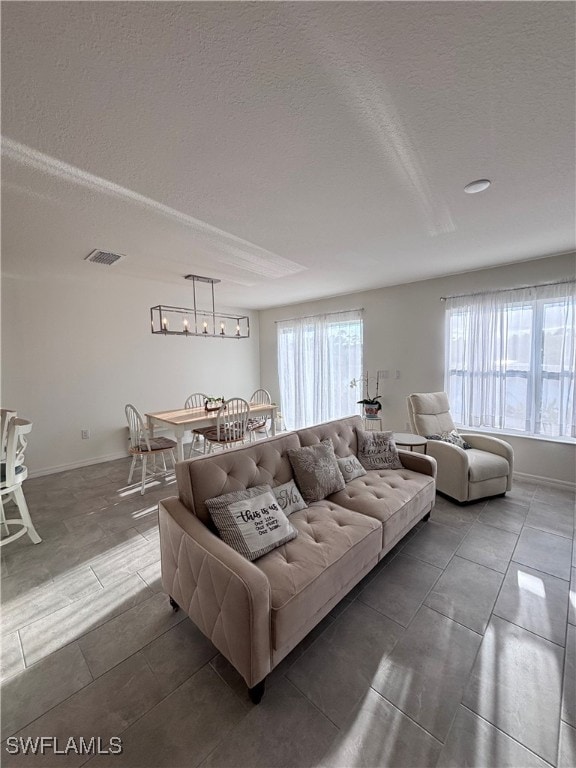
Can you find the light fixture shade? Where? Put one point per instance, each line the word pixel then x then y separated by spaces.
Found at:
pixel 477 186
pixel 180 321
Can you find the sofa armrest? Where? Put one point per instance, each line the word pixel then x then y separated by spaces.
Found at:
pixel 493 445
pixel 453 468
pixel 225 595
pixel 418 462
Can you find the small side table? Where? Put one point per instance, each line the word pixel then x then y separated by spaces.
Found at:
pixel 410 441
pixel 373 425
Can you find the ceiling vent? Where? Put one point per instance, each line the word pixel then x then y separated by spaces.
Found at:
pixel 103 257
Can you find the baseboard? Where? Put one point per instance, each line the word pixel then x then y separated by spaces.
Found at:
pixel 544 481
pixel 78 464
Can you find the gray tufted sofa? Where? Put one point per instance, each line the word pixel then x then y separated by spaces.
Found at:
pixel 255 613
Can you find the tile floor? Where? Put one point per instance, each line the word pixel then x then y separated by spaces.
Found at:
pixel 458 650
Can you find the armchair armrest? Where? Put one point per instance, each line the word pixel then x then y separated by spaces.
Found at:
pixel 453 468
pixel 225 595
pixel 418 462
pixel 493 445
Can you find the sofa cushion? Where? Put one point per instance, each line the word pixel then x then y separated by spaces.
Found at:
pixel 289 498
pixel 316 470
pixel 485 466
pixel 377 450
pixel 396 497
pixel 251 522
pixel 341 432
pixel 262 463
pixel 333 545
pixel 350 468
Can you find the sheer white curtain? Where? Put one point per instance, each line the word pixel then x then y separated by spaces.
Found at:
pixel 510 359
pixel 317 358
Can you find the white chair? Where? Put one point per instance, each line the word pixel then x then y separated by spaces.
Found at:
pixel 196 400
pixel 259 423
pixel 142 445
pixel 5 415
pixel 231 425
pixel 483 470
pixel 14 472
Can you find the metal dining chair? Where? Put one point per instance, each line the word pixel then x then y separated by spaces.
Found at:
pixel 231 425
pixel 196 400
pixel 13 474
pixel 142 445
pixel 259 423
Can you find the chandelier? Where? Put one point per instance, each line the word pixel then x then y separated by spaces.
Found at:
pixel 182 321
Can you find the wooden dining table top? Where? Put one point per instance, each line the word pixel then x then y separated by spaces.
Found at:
pixel 190 415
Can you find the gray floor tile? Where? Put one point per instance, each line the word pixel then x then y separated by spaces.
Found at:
pixel 504 514
pixel 378 734
pixel 567 750
pixel 474 743
pixel 453 515
pixel 182 729
pixel 426 673
pixel 534 600
pixel 67 624
pixel 114 641
pixel 29 694
pixel 572 607
pixel 307 734
pixel 516 686
pixel 337 671
pixel 152 575
pixel 178 654
pixel 12 660
pixel 400 588
pixel 551 519
pixel 551 494
pixel 488 546
pixel 569 688
pixel 466 592
pixel 27 597
pixel 544 552
pixel 434 543
pixel 105 708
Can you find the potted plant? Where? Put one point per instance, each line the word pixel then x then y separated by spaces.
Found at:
pixel 372 405
pixel 213 403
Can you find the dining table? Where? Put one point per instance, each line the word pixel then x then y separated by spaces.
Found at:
pixel 188 419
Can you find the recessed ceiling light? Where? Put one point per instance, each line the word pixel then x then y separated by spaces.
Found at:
pixel 477 186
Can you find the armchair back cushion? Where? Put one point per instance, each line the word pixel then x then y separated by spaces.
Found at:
pixel 430 413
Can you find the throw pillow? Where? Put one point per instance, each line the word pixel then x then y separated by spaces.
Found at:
pixel 289 498
pixel 377 450
pixel 451 437
pixel 350 468
pixel 251 522
pixel 316 470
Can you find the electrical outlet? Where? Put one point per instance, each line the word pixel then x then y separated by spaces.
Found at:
pixel 85 434
pixel 383 374
pixel 397 373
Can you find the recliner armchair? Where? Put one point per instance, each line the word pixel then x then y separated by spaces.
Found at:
pixel 483 470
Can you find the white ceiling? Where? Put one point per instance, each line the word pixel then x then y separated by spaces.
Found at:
pixel 294 150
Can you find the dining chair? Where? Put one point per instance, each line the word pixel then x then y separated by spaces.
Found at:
pixel 231 425
pixel 5 415
pixel 259 423
pixel 142 445
pixel 196 400
pixel 12 475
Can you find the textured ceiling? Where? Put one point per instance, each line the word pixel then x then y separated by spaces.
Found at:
pixel 294 150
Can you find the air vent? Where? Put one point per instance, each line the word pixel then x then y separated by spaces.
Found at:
pixel 103 257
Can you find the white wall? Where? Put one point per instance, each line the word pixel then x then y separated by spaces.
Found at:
pixel 75 350
pixel 404 330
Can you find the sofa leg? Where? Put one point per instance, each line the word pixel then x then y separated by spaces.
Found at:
pixel 257 692
pixel 426 517
pixel 174 605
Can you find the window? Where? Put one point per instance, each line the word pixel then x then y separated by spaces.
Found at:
pixel 317 358
pixel 510 360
